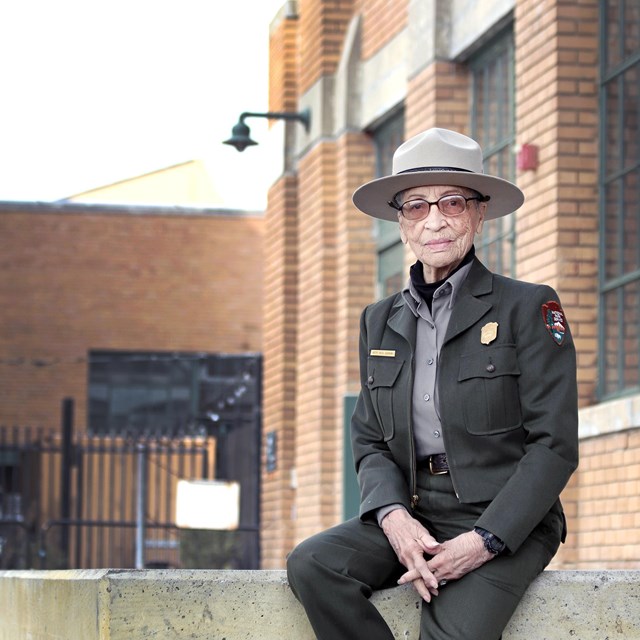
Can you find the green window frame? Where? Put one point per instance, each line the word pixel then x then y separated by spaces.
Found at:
pixel 619 199
pixel 492 118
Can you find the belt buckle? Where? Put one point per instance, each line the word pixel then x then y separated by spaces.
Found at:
pixel 432 471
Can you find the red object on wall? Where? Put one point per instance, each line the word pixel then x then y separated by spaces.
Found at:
pixel 527 159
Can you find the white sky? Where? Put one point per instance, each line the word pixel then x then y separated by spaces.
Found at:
pixel 93 92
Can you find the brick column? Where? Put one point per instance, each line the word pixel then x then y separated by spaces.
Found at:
pixel 557 106
pixel 279 380
pixel 280 313
pixel 557 228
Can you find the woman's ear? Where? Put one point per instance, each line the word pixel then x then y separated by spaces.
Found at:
pixel 482 209
pixel 403 235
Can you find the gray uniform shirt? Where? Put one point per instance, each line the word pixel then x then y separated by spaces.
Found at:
pixel 431 329
pixel 430 332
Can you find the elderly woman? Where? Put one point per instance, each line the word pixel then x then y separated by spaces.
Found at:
pixel 465 430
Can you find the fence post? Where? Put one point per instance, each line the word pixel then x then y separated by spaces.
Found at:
pixel 67 462
pixel 141 503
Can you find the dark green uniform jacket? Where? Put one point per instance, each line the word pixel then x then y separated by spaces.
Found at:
pixel 508 403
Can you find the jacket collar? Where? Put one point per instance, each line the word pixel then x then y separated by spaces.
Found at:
pixel 467 310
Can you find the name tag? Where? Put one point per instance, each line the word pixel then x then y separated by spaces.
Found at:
pixel 385 353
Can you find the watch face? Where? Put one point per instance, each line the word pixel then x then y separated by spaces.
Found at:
pixel 494 546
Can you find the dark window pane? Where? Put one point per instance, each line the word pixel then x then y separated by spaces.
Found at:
pixel 610 344
pixel 631 324
pixel 621 345
pixel 613 123
pixel 496 248
pixel 493 126
pixel 630 217
pixel 169 394
pixel 387 138
pixel 631 105
pixel 613 14
pixel 620 189
pixel 631 27
pixel 390 269
pixel 611 239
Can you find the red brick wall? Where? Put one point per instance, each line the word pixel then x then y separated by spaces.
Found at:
pixel 557 109
pixel 283 64
pixel 72 282
pixel 279 381
pixel 321 32
pixel 603 505
pixel 438 97
pixel 318 441
pixel 356 259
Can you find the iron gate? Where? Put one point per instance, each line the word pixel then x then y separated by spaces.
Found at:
pixel 72 500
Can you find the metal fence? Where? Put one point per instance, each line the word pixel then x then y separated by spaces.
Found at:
pixel 72 500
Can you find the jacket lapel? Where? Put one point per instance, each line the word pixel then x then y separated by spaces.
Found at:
pixel 402 321
pixel 469 308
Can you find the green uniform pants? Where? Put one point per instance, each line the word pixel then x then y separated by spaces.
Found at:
pixel 334 573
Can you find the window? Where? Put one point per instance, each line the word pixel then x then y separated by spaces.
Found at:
pixel 387 138
pixel 158 393
pixel 619 185
pixel 493 126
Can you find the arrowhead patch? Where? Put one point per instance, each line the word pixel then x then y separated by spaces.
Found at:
pixel 554 320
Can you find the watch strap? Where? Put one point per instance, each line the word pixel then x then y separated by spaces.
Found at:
pixel 492 543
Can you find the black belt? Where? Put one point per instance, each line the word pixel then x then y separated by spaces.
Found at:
pixel 436 464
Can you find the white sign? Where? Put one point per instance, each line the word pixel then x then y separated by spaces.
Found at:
pixel 208 504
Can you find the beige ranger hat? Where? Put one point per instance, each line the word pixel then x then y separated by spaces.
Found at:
pixel 437 157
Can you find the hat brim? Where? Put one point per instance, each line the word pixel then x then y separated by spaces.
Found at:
pixel 372 198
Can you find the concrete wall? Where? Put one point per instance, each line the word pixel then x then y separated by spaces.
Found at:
pixel 230 605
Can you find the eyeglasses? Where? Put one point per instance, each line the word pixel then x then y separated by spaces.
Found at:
pixel 450 206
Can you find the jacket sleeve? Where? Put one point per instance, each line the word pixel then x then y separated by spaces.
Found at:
pixel 382 482
pixel 547 391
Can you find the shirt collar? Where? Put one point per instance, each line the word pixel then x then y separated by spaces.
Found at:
pixel 413 299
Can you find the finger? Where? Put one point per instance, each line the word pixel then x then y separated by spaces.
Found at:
pixel 421 572
pixel 428 543
pixel 426 593
pixel 415 574
pixel 409 576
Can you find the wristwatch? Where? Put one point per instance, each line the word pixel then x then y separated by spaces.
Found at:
pixel 492 543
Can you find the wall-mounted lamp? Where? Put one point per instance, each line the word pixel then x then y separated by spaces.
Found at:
pixel 240 134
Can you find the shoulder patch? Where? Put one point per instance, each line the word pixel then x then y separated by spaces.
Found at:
pixel 554 320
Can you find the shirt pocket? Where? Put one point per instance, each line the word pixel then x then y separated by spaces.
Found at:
pixel 490 399
pixel 382 375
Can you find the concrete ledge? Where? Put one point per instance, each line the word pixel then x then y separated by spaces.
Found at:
pixel 232 605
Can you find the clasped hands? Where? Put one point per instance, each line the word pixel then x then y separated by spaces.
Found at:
pixel 449 560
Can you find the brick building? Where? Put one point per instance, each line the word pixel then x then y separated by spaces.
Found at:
pixel 120 268
pixel 148 318
pixel 80 281
pixel 550 89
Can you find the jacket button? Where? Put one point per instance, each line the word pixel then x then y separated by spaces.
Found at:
pixel 370 379
pixel 491 368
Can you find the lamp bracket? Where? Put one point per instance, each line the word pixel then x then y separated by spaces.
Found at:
pixel 303 116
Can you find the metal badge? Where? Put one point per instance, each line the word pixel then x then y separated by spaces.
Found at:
pixel 489 333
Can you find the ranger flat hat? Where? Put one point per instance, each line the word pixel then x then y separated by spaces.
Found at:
pixel 437 157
